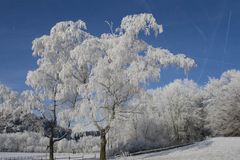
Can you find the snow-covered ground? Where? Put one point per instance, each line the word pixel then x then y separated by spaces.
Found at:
pixel 212 149
pixel 44 156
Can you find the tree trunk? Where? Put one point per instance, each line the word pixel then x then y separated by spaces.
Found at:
pixel 51 148
pixel 53 125
pixel 103 146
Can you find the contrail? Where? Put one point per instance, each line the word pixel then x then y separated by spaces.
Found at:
pixel 227 37
pixel 211 42
pixel 227 33
pixel 201 32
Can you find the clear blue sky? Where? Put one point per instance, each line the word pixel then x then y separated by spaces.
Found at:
pixel 206 30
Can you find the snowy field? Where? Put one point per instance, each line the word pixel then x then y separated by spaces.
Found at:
pixel 212 149
pixel 44 156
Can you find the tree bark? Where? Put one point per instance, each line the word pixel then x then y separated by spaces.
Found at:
pixel 51 148
pixel 53 125
pixel 103 146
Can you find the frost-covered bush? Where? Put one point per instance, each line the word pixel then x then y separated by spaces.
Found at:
pixel 35 142
pixel 23 142
pixel 138 133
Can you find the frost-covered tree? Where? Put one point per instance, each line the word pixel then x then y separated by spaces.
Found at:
pixel 100 77
pixel 16 109
pixel 179 107
pixel 8 101
pixel 142 129
pixel 53 51
pixel 165 116
pixel 30 101
pixel 110 72
pixel 222 100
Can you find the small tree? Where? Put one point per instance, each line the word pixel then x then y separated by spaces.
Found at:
pixel 54 51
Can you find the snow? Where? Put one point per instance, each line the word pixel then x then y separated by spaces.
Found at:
pixel 220 148
pixel 62 156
